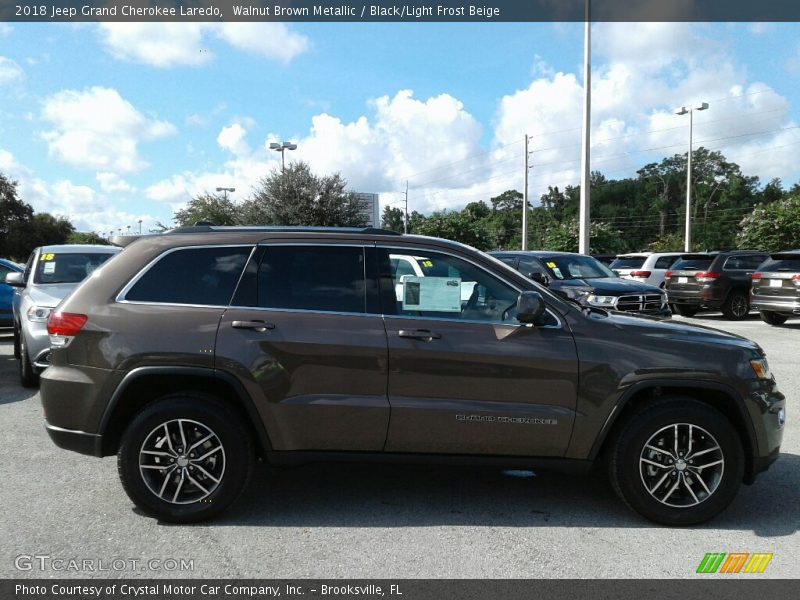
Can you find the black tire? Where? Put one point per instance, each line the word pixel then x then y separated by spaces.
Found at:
pixel 736 306
pixel 198 414
pixel 773 318
pixel 16 342
pixel 27 376
pixel 685 310
pixel 691 505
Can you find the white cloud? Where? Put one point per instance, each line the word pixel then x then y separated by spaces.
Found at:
pixel 98 129
pixel 5 30
pixel 161 45
pixel 10 71
pixel 111 183
pixel 231 138
pixel 167 45
pixel 273 41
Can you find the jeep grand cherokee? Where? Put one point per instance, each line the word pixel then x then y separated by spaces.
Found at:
pixel 196 351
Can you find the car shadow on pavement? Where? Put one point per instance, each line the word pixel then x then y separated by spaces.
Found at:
pixel 348 495
pixel 10 390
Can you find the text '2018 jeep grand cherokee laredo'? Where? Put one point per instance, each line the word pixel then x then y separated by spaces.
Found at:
pixel 197 350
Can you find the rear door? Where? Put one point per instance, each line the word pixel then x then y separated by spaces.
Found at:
pixel 299 335
pixel 464 376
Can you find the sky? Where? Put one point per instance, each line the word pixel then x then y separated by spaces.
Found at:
pixel 112 124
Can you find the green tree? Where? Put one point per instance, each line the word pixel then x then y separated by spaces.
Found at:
pixel 392 219
pixel 772 227
pixel 14 218
pixel 298 197
pixel 213 208
pixel 458 226
pixel 603 238
pixel 44 229
pixel 84 237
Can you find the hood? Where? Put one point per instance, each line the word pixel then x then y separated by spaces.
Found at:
pixel 680 331
pixel 605 286
pixel 49 295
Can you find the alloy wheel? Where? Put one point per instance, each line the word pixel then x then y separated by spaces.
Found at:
pixel 681 465
pixel 182 461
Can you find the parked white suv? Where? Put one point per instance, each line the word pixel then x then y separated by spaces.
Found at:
pixel 647 267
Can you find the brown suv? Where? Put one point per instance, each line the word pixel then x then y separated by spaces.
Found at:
pixel 198 350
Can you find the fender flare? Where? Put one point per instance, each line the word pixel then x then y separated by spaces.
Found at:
pixel 139 373
pixel 634 389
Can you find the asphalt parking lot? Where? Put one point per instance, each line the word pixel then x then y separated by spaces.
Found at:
pixel 345 521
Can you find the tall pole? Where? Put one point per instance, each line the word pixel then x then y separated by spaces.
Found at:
pixel 688 241
pixel 525 201
pixel 583 236
pixel 405 213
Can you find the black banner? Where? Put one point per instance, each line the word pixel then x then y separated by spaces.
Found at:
pixel 399 589
pixel 410 11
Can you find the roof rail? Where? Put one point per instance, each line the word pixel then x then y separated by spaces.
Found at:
pixel 205 228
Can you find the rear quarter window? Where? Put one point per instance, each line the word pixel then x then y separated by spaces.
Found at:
pixel 205 276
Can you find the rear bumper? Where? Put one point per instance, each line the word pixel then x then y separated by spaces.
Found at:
pixel 789 306
pixel 699 298
pixel 77 441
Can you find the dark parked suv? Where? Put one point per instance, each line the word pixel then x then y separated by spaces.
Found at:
pixel 587 281
pixel 713 280
pixel 776 287
pixel 196 351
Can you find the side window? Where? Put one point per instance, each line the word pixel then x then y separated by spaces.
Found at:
pixel 321 278
pixel 449 288
pixel 192 276
pixel 734 263
pixel 28 267
pixel 665 262
pixel 752 262
pixel 528 266
pixel 3 272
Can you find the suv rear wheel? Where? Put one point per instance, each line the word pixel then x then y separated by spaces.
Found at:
pixel 773 318
pixel 677 462
pixel 736 306
pixel 185 458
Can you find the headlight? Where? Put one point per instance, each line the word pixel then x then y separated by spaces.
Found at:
pixel 761 368
pixel 604 301
pixel 38 314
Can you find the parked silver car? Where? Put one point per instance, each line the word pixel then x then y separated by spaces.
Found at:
pixel 51 273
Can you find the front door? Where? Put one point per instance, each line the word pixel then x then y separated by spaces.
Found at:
pixel 464 376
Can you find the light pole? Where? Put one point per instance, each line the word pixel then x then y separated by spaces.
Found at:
pixel 690 111
pixel 140 227
pixel 224 191
pixel 282 147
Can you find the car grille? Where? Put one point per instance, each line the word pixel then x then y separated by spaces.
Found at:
pixel 640 303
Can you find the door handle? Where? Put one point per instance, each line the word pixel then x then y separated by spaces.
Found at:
pixel 260 326
pixel 419 334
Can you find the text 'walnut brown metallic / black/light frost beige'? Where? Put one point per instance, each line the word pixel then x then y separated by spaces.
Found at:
pixel 191 354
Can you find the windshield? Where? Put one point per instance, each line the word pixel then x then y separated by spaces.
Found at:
pixel 783 262
pixel 576 266
pixel 692 264
pixel 628 262
pixel 71 267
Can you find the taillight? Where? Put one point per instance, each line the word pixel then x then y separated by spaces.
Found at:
pixel 668 275
pixel 62 327
pixel 756 276
pixel 706 276
pixel 796 279
pixel 644 274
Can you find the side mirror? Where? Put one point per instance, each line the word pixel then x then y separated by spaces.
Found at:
pixel 15 280
pixel 540 278
pixel 530 307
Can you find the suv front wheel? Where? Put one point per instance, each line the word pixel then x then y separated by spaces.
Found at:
pixel 185 458
pixel 677 462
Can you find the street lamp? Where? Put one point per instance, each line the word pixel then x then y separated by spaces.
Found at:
pixel 282 147
pixel 225 191
pixel 140 227
pixel 683 111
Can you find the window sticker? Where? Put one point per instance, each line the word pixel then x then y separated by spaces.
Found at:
pixel 427 264
pixel 552 265
pixel 438 294
pixel 48 256
pixel 49 268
